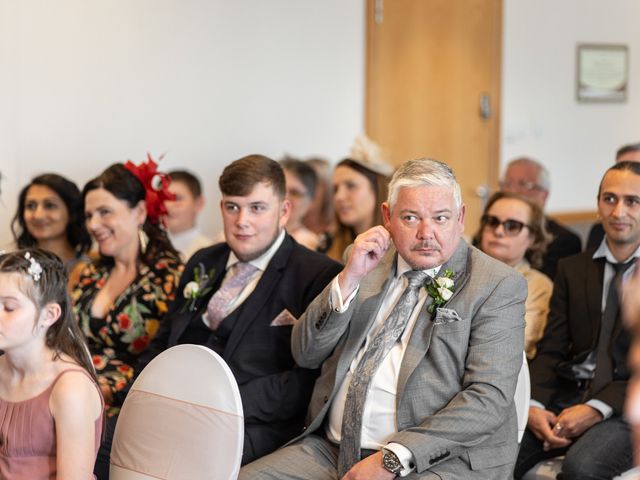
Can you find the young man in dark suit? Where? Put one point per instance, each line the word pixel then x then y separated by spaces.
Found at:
pixel 255 286
pixel 579 376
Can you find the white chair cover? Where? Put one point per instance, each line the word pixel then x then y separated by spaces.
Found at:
pixel 182 420
pixel 633 474
pixel 522 397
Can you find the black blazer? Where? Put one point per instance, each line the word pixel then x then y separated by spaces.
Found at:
pixel 572 332
pixel 275 392
pixel 564 243
pixel 595 237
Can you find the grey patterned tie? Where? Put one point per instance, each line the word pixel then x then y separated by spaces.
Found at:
pixel 378 349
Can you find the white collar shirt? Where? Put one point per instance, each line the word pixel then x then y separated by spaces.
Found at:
pixel 604 252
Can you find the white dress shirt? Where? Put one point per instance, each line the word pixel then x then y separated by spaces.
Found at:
pixel 379 411
pixel 189 242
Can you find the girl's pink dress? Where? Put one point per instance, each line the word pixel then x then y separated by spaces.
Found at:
pixel 28 437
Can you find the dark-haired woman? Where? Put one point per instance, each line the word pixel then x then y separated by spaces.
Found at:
pixel 122 296
pixel 50 217
pixel 512 231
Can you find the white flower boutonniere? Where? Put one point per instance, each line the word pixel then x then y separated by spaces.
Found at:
pixel 441 289
pixel 191 289
pixel 195 289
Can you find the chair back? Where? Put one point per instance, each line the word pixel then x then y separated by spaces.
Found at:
pixel 522 397
pixel 181 420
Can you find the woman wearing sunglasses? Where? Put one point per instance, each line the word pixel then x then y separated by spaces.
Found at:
pixel 512 231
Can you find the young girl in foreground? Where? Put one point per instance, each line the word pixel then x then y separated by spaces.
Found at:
pixel 50 405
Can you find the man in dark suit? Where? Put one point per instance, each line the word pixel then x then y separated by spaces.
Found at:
pixel 579 376
pixel 241 298
pixel 531 179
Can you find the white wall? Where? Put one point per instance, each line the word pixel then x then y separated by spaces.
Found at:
pixel 541 117
pixel 86 83
pixel 8 111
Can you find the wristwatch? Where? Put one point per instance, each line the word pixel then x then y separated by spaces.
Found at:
pixel 391 462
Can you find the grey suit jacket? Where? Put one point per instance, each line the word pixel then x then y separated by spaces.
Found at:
pixel 455 409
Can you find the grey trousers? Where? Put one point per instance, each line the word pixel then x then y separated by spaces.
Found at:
pixel 312 458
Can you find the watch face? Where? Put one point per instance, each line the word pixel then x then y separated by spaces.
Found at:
pixel 391 462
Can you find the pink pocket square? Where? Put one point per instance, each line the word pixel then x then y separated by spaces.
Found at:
pixel 284 318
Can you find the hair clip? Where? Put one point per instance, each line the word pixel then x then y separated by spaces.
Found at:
pixel 35 269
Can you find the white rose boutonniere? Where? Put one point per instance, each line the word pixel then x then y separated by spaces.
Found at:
pixel 441 289
pixel 191 289
pixel 195 289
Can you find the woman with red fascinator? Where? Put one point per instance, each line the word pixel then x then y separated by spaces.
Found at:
pixel 121 297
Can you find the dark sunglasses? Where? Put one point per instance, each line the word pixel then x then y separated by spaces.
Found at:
pixel 511 227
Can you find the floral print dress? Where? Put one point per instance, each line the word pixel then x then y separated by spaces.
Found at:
pixel 132 321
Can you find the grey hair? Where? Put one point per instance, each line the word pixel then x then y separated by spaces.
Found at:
pixel 544 178
pixel 423 172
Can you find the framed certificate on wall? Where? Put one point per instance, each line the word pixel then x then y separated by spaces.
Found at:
pixel 602 73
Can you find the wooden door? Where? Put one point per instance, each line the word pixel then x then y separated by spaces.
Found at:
pixel 433 87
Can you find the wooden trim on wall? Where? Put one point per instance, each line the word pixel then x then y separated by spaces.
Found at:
pixel 496 106
pixel 571 218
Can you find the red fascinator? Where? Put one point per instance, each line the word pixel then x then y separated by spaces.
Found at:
pixel 156 185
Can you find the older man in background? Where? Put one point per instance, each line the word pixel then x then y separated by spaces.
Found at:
pixel 531 179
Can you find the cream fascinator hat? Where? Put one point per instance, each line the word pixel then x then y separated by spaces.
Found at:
pixel 368 154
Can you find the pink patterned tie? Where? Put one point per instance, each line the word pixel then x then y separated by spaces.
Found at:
pixel 233 283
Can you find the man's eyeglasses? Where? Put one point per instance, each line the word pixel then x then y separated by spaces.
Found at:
pixel 521 186
pixel 511 227
pixel 294 193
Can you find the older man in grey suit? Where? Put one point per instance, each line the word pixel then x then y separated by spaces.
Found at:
pixel 420 341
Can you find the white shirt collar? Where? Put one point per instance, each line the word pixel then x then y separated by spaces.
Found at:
pixel 603 251
pixel 263 260
pixel 184 238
